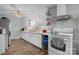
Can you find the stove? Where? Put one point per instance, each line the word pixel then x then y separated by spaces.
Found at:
pixel 60 41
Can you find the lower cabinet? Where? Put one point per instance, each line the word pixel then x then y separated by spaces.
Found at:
pixel 26 36
pixel 33 38
pixel 36 39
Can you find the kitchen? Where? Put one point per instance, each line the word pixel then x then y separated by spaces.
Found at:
pixel 39 29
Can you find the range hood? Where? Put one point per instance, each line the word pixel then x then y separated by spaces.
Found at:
pixel 63 17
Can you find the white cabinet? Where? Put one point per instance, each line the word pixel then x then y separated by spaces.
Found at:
pixel 26 36
pixel 2 44
pixel 22 35
pixel 33 38
pixel 36 39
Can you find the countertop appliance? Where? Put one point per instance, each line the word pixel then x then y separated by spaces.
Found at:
pixel 60 42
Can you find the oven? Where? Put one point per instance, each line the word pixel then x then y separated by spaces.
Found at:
pixel 60 43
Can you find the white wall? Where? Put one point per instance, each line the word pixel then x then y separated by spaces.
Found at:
pixel 15 24
pixel 53 11
pixel 73 10
pixel 39 16
pixel 61 9
pixel 35 12
pixel 70 9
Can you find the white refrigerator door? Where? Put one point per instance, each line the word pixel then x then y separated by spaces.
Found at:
pixel 2 44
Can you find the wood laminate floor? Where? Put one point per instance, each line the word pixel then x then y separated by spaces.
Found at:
pixel 21 47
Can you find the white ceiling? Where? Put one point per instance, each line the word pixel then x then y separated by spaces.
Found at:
pixel 23 7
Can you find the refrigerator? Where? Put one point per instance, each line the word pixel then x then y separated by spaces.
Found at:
pixel 4 23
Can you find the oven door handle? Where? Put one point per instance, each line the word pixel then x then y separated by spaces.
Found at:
pixel 66 39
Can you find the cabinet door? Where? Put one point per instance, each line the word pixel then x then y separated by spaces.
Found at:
pixel 33 39
pixel 39 40
pixel 36 39
pixel 25 36
pixel 22 35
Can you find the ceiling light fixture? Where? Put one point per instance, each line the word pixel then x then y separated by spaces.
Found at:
pixel 18 13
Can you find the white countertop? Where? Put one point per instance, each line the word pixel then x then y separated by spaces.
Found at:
pixel 36 33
